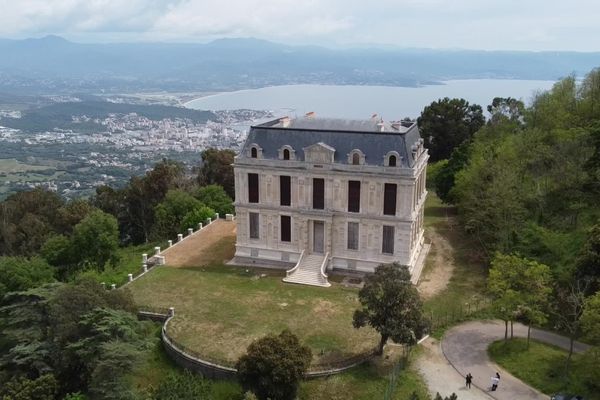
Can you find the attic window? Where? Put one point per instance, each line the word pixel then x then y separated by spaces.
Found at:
pixel 254 151
pixel 356 157
pixel 287 153
pixel 391 159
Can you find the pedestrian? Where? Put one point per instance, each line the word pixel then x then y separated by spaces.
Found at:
pixel 495 381
pixel 468 380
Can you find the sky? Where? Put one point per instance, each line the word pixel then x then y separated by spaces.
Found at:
pixel 466 24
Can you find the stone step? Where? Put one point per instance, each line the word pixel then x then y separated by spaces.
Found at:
pixel 309 272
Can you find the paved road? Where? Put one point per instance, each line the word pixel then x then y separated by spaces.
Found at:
pixel 465 347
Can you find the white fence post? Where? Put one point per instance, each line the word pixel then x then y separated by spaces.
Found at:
pixel 130 277
pixel 179 237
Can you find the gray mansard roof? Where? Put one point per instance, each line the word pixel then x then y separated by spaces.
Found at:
pixel 375 139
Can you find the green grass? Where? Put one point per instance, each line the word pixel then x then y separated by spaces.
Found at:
pixel 220 310
pixel 365 382
pixel 466 290
pixel 130 262
pixel 543 367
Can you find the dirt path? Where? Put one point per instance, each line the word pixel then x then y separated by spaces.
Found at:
pixel 440 265
pixel 211 245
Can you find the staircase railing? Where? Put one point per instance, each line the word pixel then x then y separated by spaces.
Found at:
pixel 324 265
pixel 291 271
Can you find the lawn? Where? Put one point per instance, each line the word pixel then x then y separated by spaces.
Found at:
pixel 543 367
pixel 220 310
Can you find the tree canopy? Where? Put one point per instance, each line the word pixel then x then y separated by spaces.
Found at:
pixel 273 366
pixel 447 123
pixel 391 305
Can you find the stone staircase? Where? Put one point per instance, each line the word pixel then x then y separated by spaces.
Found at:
pixel 310 270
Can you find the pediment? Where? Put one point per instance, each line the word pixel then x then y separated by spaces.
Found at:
pixel 319 153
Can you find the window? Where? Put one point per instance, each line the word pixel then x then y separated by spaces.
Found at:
pixel 392 161
pixel 285 195
pixel 286 154
pixel 254 152
pixel 389 199
pixel 387 244
pixel 352 235
pixel 355 159
pixel 254 225
pixel 286 228
pixel 318 193
pixel 354 196
pixel 253 188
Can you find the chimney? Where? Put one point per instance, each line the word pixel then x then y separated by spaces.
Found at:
pixel 285 121
pixel 310 114
pixel 380 126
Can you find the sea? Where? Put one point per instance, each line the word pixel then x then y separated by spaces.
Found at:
pixel 361 102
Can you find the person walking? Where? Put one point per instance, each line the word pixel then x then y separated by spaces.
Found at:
pixel 468 380
pixel 495 382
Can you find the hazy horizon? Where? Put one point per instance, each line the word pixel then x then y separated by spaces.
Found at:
pixel 509 25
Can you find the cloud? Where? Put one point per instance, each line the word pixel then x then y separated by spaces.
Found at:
pixel 492 24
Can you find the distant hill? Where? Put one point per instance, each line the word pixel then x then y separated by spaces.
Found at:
pixel 59 115
pixel 53 64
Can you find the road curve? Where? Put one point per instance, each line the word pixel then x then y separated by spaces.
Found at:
pixel 465 348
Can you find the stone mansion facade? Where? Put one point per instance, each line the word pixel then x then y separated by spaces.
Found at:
pixel 348 195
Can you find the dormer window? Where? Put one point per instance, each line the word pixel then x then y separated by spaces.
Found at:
pixel 254 151
pixel 356 157
pixel 287 153
pixel 391 159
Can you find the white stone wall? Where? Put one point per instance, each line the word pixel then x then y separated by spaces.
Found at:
pixel 408 221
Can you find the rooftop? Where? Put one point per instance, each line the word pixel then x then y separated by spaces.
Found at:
pixel 310 122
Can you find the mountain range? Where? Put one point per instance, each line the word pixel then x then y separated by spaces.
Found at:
pixel 55 65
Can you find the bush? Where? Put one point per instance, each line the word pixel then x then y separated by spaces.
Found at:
pixel 194 217
pixel 273 366
pixel 184 386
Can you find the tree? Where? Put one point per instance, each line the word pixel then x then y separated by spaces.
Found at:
pixel 196 216
pixel 273 366
pixel 171 212
pixel 506 109
pixel 446 123
pixel 43 388
pixel 96 240
pixel 26 220
pixel 215 197
pixel 520 288
pixel 588 262
pixel 20 273
pixel 217 168
pixel 590 319
pixel 391 305
pixel 568 309
pixel 182 386
pixel 444 180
